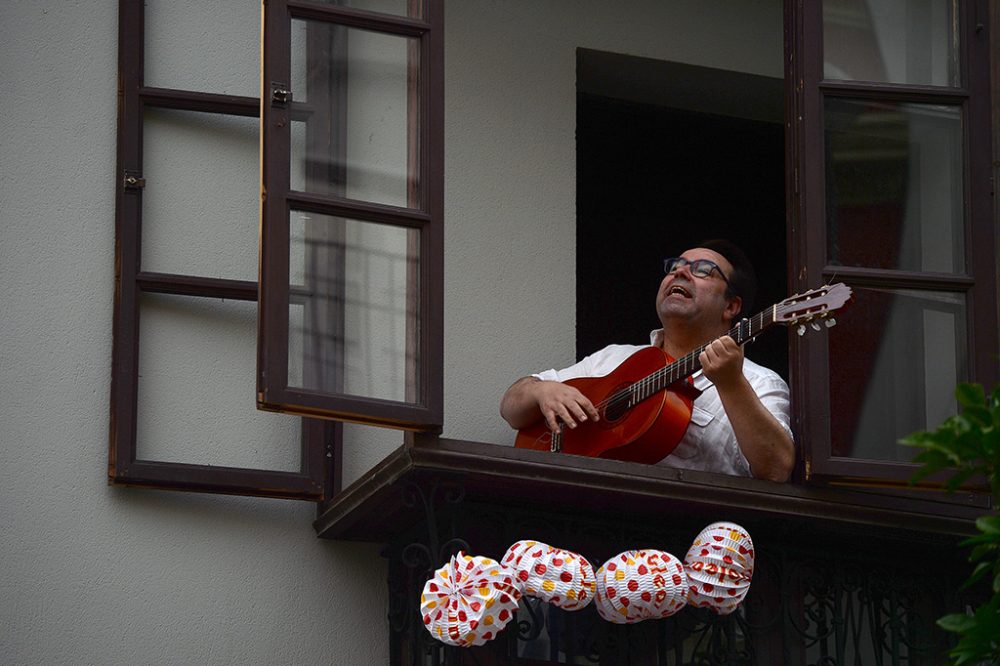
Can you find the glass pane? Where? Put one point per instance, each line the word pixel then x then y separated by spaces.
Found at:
pixel 894 186
pixel 359 136
pixel 895 358
pixel 891 41
pixel 410 8
pixel 353 317
pixel 196 402
pixel 200 204
pixel 203 46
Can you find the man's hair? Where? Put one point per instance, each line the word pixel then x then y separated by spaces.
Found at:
pixel 743 281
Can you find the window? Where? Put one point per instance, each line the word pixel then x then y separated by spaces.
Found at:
pixel 349 321
pixel 890 193
pixel 351 237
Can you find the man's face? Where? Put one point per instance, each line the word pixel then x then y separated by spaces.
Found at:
pixel 699 300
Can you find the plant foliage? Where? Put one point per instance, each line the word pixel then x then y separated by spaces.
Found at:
pixel 968 445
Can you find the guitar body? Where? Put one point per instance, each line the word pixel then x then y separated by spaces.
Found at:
pixel 646 433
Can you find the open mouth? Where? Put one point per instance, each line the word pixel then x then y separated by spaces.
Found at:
pixel 678 290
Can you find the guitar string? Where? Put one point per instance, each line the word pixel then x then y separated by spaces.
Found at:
pixel 651 384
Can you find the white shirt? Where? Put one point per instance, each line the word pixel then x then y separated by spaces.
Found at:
pixel 709 444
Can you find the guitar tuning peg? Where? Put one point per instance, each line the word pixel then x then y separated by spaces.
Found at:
pixel 831 322
pixel 815 326
pixel 801 329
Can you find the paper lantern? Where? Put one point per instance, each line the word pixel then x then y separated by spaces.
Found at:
pixel 640 585
pixel 469 600
pixel 557 576
pixel 719 567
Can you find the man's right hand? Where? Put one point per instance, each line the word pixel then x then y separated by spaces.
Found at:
pixel 529 399
pixel 560 402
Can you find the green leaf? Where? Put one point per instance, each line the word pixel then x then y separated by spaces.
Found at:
pixel 970 394
pixel 977 574
pixel 957 622
pixel 988 524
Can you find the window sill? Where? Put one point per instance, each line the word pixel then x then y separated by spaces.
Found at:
pixel 375 508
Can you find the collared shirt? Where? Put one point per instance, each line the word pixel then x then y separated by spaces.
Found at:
pixel 709 444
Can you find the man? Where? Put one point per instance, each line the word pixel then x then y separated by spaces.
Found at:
pixel 740 423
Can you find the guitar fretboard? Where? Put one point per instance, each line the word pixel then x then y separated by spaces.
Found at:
pixel 687 365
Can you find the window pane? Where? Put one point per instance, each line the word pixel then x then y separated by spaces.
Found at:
pixel 894 185
pixel 196 377
pixel 891 41
pixel 353 316
pixel 200 204
pixel 203 46
pixel 895 359
pixel 359 137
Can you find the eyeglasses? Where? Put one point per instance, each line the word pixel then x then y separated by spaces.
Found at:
pixel 699 267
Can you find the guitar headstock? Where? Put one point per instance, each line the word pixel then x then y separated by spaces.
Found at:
pixel 812 306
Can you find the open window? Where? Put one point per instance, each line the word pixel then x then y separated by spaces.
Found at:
pixel 890 193
pixel 351 212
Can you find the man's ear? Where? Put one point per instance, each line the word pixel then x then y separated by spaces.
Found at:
pixel 733 308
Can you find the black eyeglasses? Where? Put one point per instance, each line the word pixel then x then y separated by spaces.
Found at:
pixel 699 267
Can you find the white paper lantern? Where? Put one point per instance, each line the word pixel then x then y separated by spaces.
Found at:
pixel 469 600
pixel 640 585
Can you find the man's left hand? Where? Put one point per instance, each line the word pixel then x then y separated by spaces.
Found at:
pixel 722 362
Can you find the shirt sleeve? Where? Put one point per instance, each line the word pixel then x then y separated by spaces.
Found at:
pixel 773 394
pixel 598 364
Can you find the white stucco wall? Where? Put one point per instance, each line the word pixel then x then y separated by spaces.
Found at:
pixel 94 574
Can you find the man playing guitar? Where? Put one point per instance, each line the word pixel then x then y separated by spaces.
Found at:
pixel 739 423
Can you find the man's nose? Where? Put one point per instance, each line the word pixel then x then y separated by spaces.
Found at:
pixel 686 268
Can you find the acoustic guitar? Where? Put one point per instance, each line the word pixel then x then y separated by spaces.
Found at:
pixel 645 403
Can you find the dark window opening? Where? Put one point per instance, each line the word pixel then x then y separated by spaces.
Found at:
pixel 658 171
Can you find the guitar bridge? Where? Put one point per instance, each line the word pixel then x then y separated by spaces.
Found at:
pixel 555 446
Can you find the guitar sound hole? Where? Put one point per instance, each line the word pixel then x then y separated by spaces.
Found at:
pixel 615 410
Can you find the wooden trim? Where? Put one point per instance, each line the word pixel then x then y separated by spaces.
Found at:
pixel 893 279
pixel 372 509
pixel 191 285
pixel 187 100
pixel 358 210
pixel 358 18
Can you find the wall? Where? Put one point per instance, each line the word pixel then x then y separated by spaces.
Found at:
pixel 94 574
pixel 99 575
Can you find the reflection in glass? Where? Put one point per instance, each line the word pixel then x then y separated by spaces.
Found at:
pixel 355 135
pixel 895 358
pixel 353 314
pixel 894 185
pixel 891 41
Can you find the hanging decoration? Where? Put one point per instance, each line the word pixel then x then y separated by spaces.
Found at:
pixel 471 599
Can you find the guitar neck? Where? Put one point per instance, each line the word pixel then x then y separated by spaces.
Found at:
pixel 687 365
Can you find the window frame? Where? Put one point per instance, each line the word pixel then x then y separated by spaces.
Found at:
pixel 424 214
pixel 806 90
pixel 320 445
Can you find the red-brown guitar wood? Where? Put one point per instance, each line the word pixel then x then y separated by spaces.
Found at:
pixel 646 432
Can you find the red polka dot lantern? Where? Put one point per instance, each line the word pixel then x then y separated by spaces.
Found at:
pixel 469 600
pixel 719 566
pixel 640 585
pixel 556 576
